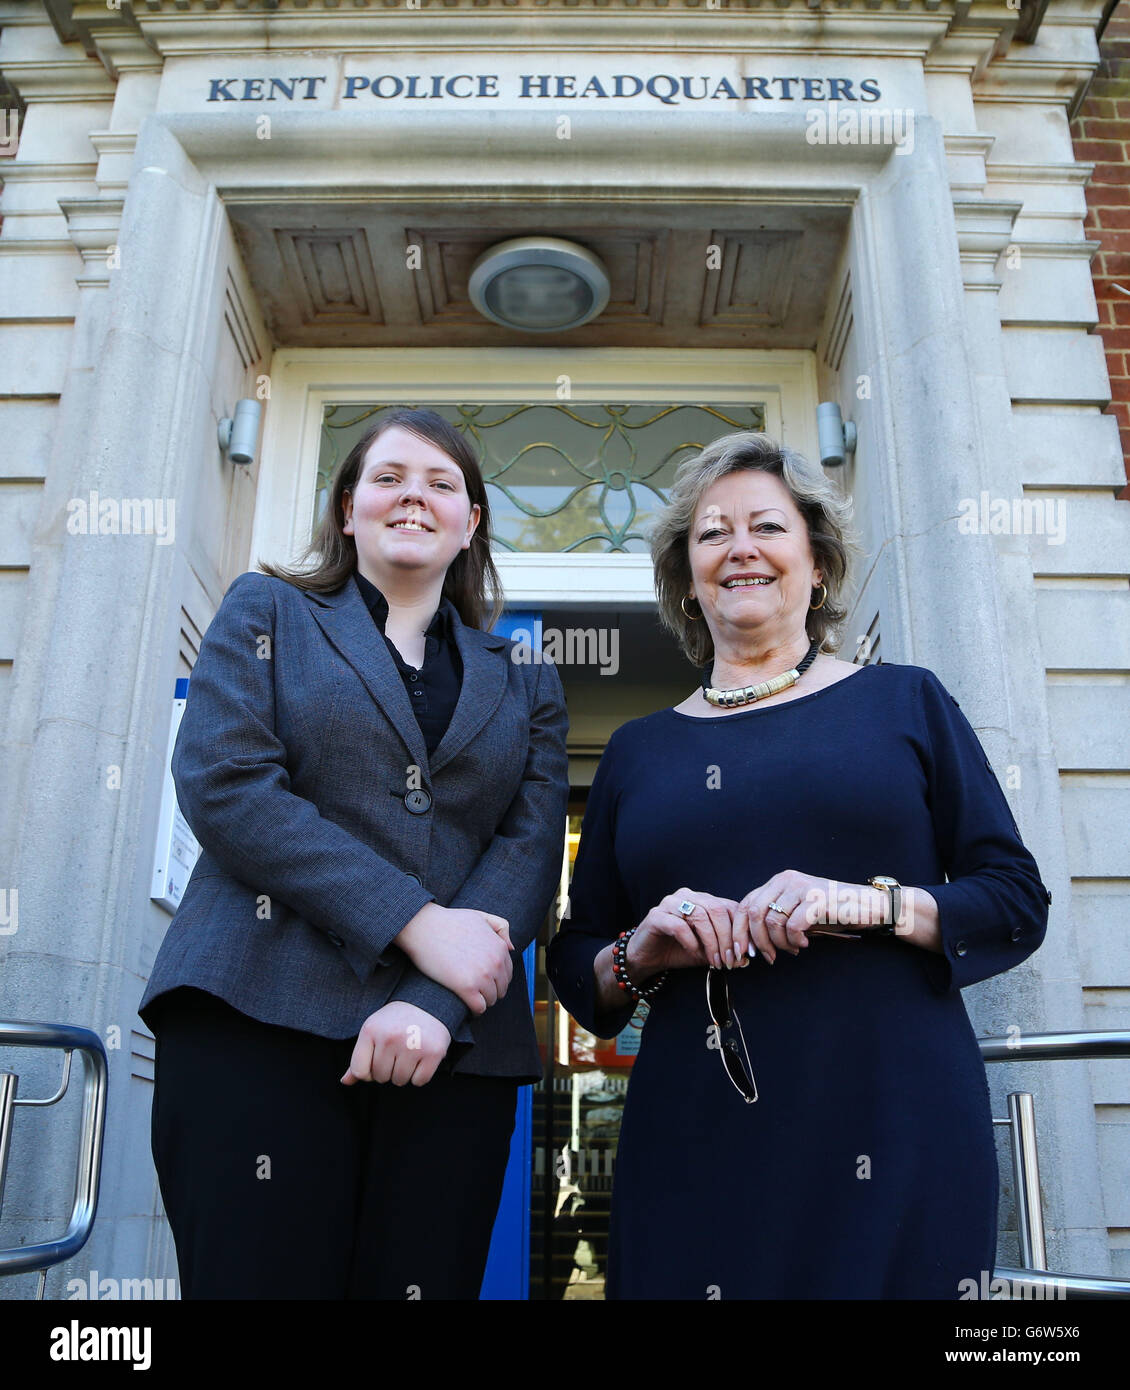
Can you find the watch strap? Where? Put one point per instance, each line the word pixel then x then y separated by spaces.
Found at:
pixel 894 900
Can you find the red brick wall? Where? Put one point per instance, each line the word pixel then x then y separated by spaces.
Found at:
pixel 1101 132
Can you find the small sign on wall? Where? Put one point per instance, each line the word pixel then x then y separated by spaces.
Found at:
pixel 177 849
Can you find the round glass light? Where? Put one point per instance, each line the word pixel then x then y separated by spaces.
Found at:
pixel 539 284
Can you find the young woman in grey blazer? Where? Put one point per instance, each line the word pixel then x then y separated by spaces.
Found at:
pixel 378 785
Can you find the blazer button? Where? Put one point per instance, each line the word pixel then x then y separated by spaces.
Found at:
pixel 418 800
pixel 414 877
pixel 1048 891
pixel 1016 933
pixel 333 936
pixel 960 949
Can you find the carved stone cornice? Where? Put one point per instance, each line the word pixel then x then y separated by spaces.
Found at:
pixel 1077 173
pixel 113 174
pixel 68 74
pixel 977 142
pixel 1052 193
pixel 17 171
pixel 1008 53
pixel 984 229
pixel 93 225
pixel 1054 69
pixel 963 51
pixel 876 28
pixel 966 153
pixel 1058 250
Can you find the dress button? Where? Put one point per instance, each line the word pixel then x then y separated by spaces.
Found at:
pixel 418 801
pixel 1048 891
pixel 1016 933
pixel 960 949
pixel 333 936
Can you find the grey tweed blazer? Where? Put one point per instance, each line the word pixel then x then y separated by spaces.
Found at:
pixel 324 827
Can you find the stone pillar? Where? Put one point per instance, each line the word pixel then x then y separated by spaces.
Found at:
pixel 140 380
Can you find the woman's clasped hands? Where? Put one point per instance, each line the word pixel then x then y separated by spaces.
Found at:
pixel 776 916
pixel 463 949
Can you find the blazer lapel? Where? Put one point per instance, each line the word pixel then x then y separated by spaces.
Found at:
pixel 349 625
pixel 485 674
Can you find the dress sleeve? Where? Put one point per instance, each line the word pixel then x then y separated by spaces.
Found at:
pixel 993 911
pixel 598 908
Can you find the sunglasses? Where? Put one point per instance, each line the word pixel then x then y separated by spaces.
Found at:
pixel 729 1035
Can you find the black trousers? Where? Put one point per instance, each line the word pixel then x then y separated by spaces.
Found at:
pixel 280 1182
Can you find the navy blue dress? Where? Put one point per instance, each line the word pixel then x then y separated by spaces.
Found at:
pixel 867 1167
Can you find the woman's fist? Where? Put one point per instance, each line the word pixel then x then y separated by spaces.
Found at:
pixel 399 1043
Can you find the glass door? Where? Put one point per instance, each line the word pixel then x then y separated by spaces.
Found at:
pixel 576 1124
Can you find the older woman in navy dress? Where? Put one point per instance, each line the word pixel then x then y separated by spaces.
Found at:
pixel 820 1128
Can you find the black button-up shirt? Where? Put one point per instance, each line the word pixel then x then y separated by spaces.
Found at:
pixel 433 689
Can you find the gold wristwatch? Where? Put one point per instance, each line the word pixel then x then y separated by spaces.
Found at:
pixel 893 889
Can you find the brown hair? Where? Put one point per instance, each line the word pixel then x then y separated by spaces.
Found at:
pixel 471 583
pixel 826 513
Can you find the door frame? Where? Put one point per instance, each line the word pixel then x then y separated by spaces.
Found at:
pixel 304 381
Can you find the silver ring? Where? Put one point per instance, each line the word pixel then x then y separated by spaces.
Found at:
pixel 775 906
pixel 686 908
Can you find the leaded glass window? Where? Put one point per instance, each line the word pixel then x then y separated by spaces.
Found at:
pixel 564 476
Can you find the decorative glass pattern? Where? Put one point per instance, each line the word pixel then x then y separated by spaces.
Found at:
pixel 564 476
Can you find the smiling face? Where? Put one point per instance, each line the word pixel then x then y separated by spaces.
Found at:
pixel 409 512
pixel 751 561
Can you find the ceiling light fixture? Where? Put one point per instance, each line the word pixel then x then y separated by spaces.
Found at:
pixel 539 284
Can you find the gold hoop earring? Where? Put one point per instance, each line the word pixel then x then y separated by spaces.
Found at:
pixel 683 606
pixel 814 606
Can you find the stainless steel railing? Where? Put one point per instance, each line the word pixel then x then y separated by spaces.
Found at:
pixel 19 1259
pixel 1046 1047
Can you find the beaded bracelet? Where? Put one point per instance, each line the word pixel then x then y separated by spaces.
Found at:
pixel 620 969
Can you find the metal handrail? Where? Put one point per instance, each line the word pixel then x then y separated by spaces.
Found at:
pixel 1053 1047
pixel 19 1259
pixel 1046 1047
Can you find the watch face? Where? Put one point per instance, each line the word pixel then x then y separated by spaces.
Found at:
pixel 887 882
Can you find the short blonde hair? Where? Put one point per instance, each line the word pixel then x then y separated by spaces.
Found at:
pixel 826 511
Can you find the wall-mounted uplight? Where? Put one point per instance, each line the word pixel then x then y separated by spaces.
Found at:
pixel 837 439
pixel 238 436
pixel 539 284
